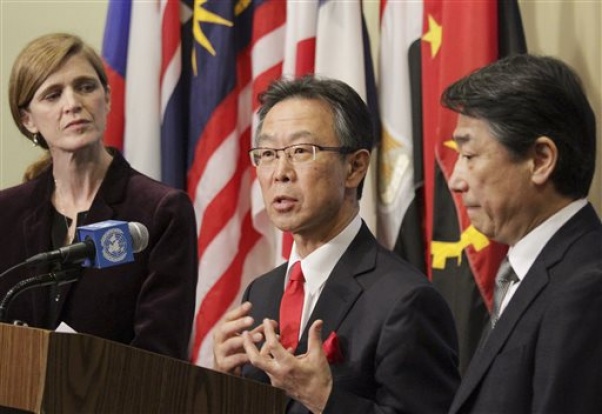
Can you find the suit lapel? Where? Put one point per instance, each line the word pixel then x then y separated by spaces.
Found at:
pixel 36 232
pixel 533 283
pixel 342 289
pixel 37 226
pixel 112 191
pixel 530 287
pixel 271 308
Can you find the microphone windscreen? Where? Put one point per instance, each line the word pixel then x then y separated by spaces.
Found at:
pixel 139 234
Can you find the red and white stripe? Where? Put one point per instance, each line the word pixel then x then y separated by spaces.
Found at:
pixel 236 241
pixel 300 49
pixel 171 51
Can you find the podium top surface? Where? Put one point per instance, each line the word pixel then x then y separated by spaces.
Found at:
pixel 51 372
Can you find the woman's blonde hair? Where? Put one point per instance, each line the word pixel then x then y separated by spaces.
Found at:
pixel 37 167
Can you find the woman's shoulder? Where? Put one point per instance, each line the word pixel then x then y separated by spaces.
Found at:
pixel 22 198
pixel 18 192
pixel 149 187
pixel 143 193
pixel 138 185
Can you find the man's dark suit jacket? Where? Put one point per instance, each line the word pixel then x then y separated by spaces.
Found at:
pixel 545 353
pixel 396 333
pixel 148 303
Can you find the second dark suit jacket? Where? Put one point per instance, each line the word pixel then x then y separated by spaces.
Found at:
pixel 397 335
pixel 545 353
pixel 149 303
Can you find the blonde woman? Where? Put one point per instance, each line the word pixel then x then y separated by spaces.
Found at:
pixel 59 98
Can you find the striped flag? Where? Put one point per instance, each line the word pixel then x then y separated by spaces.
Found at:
pixel 237 51
pixel 115 54
pixel 174 88
pixel 301 31
pixel 135 76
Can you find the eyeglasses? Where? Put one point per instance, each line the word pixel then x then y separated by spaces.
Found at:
pixel 297 154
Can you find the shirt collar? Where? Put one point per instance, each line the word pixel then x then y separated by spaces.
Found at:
pixel 318 265
pixel 523 254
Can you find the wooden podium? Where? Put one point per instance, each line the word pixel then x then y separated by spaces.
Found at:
pixel 48 372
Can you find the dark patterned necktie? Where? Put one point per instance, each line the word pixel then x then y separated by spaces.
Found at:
pixel 504 278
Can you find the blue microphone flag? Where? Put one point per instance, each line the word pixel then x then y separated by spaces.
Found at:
pixel 112 243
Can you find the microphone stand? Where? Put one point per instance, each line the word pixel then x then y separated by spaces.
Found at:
pixel 59 277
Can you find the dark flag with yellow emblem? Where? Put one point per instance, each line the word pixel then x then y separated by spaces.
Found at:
pixel 458 38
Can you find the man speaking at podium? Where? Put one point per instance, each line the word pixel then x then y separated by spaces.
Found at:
pixel 345 326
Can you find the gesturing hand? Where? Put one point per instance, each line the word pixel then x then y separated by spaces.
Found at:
pixel 306 378
pixel 228 351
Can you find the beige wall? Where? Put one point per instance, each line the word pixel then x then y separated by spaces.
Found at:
pixel 568 29
pixel 571 30
pixel 20 22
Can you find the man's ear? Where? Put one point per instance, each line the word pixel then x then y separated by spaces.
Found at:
pixel 357 167
pixel 27 122
pixel 545 157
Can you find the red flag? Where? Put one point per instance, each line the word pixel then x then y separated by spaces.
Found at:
pixel 458 38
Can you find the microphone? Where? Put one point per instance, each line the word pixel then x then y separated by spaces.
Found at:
pixel 104 244
pixel 59 278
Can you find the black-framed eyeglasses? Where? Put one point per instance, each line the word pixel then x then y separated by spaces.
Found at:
pixel 296 154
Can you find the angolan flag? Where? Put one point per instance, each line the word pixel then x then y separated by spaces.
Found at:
pixel 459 37
pixel 425 46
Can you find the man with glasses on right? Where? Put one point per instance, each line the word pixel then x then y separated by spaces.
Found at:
pixel 345 326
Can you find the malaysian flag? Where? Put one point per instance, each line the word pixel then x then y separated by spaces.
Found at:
pixel 236 51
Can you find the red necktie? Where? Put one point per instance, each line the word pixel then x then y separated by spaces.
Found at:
pixel 291 308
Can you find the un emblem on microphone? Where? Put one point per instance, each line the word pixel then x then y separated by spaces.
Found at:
pixel 114 245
